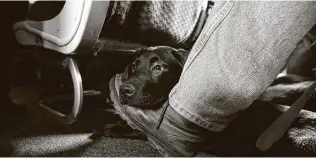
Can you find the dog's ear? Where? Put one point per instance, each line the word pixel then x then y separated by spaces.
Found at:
pixel 181 55
pixel 127 71
pixel 138 52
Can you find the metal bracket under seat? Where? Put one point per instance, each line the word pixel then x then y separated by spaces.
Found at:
pixel 76 96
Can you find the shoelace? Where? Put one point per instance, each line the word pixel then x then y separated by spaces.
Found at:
pixel 163 112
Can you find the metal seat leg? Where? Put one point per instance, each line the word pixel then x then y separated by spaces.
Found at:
pixel 77 96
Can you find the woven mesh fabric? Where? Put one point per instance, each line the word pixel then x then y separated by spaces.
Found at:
pixel 153 22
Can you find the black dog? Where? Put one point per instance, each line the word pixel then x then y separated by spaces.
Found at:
pixel 147 81
pixel 154 71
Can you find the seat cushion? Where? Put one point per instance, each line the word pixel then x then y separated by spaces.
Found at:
pixel 154 22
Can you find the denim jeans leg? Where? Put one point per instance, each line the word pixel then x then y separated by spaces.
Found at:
pixel 241 49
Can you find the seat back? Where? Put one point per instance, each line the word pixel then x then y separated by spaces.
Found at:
pixel 74 30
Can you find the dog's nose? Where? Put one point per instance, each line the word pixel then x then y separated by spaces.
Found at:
pixel 128 89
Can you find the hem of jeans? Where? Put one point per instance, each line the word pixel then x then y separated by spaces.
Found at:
pixel 212 126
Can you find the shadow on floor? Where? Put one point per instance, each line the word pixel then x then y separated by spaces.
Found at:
pixel 39 135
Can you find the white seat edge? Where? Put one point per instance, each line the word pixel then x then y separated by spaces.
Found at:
pixel 51 36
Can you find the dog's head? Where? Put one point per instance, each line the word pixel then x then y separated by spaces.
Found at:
pixel 154 71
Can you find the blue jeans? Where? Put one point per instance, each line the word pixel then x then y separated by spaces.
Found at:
pixel 240 51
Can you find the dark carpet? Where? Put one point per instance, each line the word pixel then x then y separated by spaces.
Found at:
pixel 39 135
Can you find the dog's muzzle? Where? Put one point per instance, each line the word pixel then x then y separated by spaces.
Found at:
pixel 127 90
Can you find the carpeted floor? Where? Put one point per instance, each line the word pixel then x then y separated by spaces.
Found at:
pixel 39 135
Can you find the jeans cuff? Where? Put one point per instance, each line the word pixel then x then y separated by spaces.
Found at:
pixel 212 126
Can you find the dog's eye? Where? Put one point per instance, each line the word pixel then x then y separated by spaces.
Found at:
pixel 158 68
